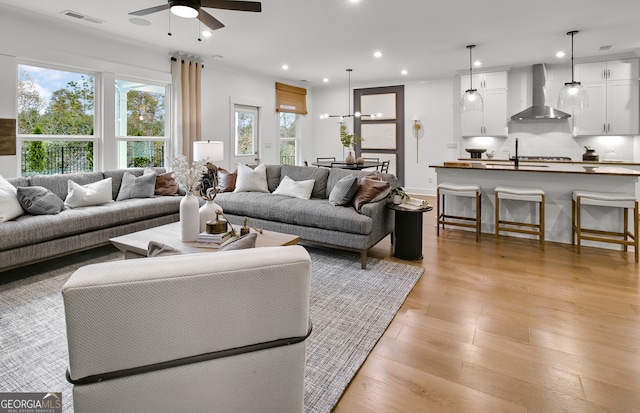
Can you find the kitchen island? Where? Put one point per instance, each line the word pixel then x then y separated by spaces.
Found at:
pixel 558 180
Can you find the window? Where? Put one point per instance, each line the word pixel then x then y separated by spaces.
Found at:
pixel 140 124
pixel 56 121
pixel 288 134
pixel 246 130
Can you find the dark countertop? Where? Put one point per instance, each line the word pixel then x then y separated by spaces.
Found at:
pixel 602 162
pixel 545 167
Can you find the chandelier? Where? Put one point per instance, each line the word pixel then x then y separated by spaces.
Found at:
pixel 349 115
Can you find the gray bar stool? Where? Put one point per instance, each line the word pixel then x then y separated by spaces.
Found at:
pixel 605 199
pixel 469 190
pixel 520 194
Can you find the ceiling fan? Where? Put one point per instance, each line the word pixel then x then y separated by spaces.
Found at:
pixel 193 8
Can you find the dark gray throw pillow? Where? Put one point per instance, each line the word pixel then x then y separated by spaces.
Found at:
pixel 343 191
pixel 241 243
pixel 38 200
pixel 137 187
pixel 158 249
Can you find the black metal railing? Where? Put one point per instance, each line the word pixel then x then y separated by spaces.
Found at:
pixel 61 159
pixel 152 156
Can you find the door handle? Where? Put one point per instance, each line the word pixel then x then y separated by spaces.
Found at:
pixel 604 128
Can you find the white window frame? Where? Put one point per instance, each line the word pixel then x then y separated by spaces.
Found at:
pixel 96 138
pixel 167 106
pixel 296 140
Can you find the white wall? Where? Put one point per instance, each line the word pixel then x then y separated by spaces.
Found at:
pixel 52 42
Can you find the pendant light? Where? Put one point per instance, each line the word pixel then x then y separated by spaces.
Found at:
pixel 573 94
pixel 471 100
pixel 349 115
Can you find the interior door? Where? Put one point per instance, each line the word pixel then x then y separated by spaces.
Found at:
pixel 245 137
pixel 383 137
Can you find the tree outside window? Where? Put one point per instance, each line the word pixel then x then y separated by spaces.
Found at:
pixel 288 134
pixel 58 105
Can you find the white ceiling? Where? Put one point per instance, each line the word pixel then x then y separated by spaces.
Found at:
pixel 321 38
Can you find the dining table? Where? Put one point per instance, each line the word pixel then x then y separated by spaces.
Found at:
pixel 345 165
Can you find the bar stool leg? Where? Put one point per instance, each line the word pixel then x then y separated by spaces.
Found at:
pixel 625 229
pixel 635 229
pixel 578 225
pixel 497 217
pixel 542 222
pixel 478 215
pixel 438 212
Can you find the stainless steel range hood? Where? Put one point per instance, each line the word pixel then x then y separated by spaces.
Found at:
pixel 539 110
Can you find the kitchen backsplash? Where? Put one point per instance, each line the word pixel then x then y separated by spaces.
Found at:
pixel 552 138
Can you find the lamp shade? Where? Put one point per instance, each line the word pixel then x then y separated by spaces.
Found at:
pixel 573 95
pixel 471 101
pixel 211 151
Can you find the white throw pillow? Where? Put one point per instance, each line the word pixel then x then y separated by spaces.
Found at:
pixel 9 206
pixel 295 189
pixel 252 180
pixel 95 193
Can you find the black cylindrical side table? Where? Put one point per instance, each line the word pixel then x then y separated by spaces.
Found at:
pixel 408 232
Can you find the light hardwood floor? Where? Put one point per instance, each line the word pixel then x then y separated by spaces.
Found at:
pixel 507 328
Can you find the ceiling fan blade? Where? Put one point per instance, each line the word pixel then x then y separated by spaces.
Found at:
pixel 239 5
pixel 150 10
pixel 209 20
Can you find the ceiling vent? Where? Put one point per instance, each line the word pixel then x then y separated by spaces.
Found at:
pixel 81 16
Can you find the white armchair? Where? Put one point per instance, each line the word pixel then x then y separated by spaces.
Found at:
pixel 209 332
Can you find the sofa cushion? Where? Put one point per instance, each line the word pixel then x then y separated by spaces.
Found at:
pixel 137 186
pixel 57 183
pixel 38 200
pixel 95 193
pixel 33 229
pixel 304 173
pixel 158 249
pixel 343 191
pixel 166 185
pixel 295 189
pixel 9 206
pixel 274 172
pixel 227 180
pixel 368 190
pixel 252 180
pixel 312 212
pixel 241 243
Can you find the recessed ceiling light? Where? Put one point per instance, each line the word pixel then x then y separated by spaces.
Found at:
pixel 354 1
pixel 560 54
pixel 477 63
pixel 404 72
pixel 206 33
pixel 325 80
pixel 377 54
pixel 285 67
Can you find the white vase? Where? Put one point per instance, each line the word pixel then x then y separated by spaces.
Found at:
pixel 397 199
pixel 189 218
pixel 208 213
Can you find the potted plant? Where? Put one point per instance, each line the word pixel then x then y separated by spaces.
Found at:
pixel 348 141
pixel 398 195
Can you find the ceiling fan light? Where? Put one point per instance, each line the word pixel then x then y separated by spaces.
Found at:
pixel 184 11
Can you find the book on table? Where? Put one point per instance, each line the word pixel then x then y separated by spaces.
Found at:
pixel 415 204
pixel 219 238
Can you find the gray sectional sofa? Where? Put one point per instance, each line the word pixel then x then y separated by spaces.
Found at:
pixel 32 238
pixel 315 220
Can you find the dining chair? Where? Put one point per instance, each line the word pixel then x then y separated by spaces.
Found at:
pixel 384 167
pixel 328 159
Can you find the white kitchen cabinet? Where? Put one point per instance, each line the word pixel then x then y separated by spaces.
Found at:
pixel 614 98
pixel 492 120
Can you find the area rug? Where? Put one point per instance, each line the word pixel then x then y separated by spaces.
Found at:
pixel 350 309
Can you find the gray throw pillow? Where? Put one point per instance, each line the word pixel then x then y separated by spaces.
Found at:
pixel 137 187
pixel 158 249
pixel 38 200
pixel 343 191
pixel 241 243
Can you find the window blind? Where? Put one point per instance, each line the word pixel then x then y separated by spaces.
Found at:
pixel 291 99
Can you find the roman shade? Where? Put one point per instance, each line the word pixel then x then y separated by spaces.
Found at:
pixel 291 99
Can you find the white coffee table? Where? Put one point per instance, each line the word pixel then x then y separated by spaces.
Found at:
pixel 135 245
